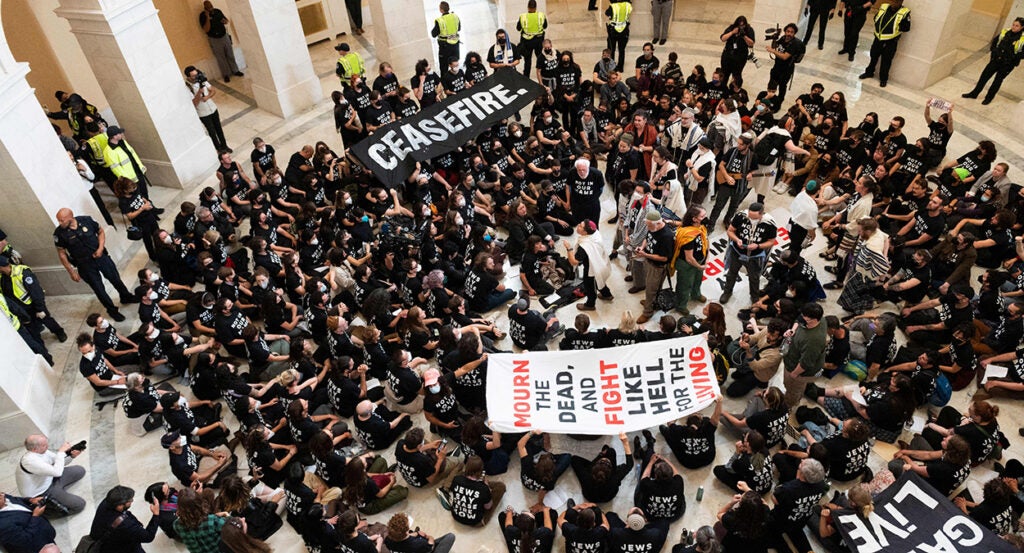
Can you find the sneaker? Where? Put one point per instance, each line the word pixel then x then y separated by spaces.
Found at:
pixel 792 432
pixel 442 496
pixel 62 336
pixel 648 437
pixel 570 503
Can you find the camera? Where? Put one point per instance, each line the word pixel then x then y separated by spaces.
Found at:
pixel 753 59
pixel 80 446
pixel 201 77
pixel 773 35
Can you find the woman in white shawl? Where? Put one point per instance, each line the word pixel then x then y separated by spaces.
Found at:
pixel 590 253
pixel 846 223
pixel 870 264
pixel 666 190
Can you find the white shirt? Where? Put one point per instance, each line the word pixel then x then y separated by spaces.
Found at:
pixel 204 107
pixel 36 471
pixel 804 211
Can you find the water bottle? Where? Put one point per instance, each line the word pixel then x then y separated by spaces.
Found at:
pixel 700 493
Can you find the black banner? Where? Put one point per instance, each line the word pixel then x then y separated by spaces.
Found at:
pixel 392 152
pixel 910 516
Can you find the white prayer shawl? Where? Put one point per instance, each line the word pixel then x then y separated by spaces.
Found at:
pixel 804 211
pixel 597 258
pixel 733 128
pixel 700 159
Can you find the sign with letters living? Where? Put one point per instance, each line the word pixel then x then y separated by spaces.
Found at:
pixel 393 150
pixel 600 391
pixel 911 517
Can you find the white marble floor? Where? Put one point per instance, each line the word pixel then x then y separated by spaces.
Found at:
pixel 114 456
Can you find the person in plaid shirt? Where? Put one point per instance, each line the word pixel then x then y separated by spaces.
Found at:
pixel 198 530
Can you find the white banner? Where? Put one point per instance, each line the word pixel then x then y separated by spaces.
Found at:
pixel 714 270
pixel 600 391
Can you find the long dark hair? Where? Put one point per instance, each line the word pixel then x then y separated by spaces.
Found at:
pixel 526 524
pixel 237 541
pixel 355 481
pixel 750 516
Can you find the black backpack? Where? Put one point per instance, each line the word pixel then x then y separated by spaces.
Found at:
pixel 768 149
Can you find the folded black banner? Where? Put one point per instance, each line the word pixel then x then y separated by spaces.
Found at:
pixel 392 152
pixel 910 516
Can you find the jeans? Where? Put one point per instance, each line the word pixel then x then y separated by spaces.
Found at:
pixel 731 195
pixel 496 299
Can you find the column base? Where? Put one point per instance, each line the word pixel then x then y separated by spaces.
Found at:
pixel 289 101
pixel 187 169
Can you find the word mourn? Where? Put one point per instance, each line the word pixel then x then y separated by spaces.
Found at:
pixel 391 153
pixel 602 391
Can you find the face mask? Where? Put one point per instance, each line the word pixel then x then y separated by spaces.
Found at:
pixel 154 277
pixel 204 307
pixel 547 120
pixel 458 221
pixel 366 218
pixel 314 242
pixel 105 324
pixel 263 283
pixel 565 63
pixel 323 287
pixel 480 166
pixel 454 69
pixel 168 240
pixel 983 199
pixel 152 335
pixel 460 203
pixel 518 134
pixel 487 238
pixel 760 108
pixel 182 441
pixel 277 181
pixel 790 294
pixel 90 356
pixel 892 128
pixel 436 388
pixel 153 296
pixel 546 50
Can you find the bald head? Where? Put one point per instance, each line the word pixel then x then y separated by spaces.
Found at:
pixel 364 409
pixel 65 216
pixel 36 443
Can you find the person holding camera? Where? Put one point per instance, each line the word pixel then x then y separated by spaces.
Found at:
pixel 202 99
pixel 787 50
pixel 42 472
pixel 738 39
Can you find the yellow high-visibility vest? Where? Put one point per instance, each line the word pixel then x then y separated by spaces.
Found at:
pixel 1018 45
pixel 896 20
pixel 620 15
pixel 351 64
pixel 6 311
pixel 18 284
pixel 448 24
pixel 532 24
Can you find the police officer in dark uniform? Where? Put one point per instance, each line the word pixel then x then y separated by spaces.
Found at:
pixel 80 245
pixel 21 286
pixel 854 14
pixel 1007 49
pixel 18 317
pixel 891 21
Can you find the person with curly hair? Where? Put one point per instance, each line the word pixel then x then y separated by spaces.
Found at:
pixel 402 538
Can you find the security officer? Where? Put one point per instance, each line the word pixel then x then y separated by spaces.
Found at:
pixel 80 243
pixel 854 14
pixel 7 249
pixel 122 160
pixel 15 315
pixel 349 63
pixel 21 286
pixel 531 28
pixel 891 21
pixel 1007 49
pixel 821 10
pixel 618 13
pixel 446 31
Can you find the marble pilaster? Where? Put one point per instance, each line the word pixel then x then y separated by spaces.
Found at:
pixel 928 52
pixel 280 69
pixel 401 35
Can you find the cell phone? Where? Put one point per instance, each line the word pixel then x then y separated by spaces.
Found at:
pixel 80 446
pixel 444 442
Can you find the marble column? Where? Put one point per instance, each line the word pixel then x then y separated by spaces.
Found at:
pixel 132 59
pixel 36 179
pixel 281 72
pixel 927 53
pixel 401 35
pixel 510 10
